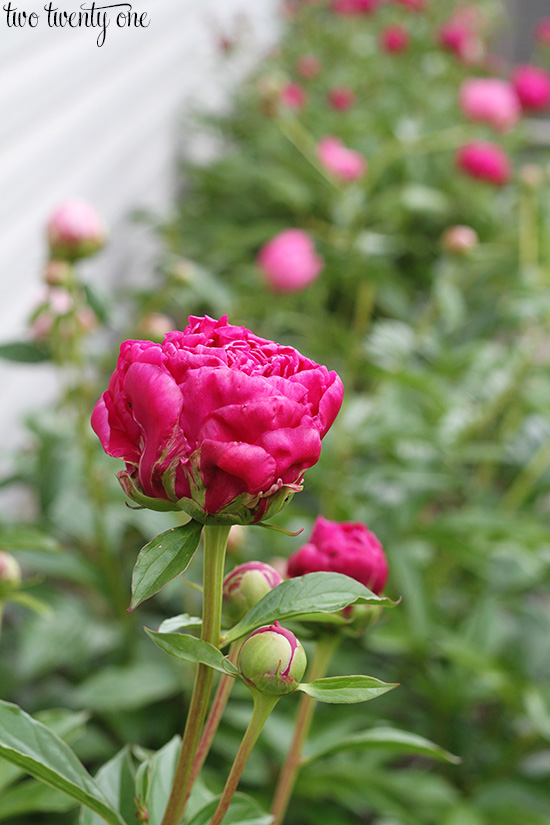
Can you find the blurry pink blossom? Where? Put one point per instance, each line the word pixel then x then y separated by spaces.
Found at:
pixel 341 98
pixel 308 65
pixel 485 161
pixel 345 164
pixel 353 7
pixel 75 230
pixel 395 39
pixel 542 31
pixel 532 86
pixel 289 262
pixel 293 96
pixel 491 101
pixel 461 38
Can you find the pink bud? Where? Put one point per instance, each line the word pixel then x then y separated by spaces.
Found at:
pixel 459 240
pixel 75 231
pixel 342 547
pixel 542 31
pixel 491 101
pixel 245 586
pixel 345 164
pixel 533 87
pixel 293 96
pixel 458 37
pixel 395 39
pixel 308 65
pixel 272 660
pixel 341 98
pixel 289 262
pixel 485 161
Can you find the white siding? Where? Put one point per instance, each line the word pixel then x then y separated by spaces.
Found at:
pixel 97 123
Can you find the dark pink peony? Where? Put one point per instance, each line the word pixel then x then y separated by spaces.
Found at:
pixel 289 262
pixel 532 86
pixel 395 39
pixel 342 547
pixel 485 161
pixel 491 101
pixel 215 421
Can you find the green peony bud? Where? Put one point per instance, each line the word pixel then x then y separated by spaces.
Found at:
pixel 272 660
pixel 245 586
pixel 10 575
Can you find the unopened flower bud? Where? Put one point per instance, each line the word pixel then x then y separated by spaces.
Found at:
pixel 272 660
pixel 75 231
pixel 236 538
pixel 245 586
pixel 10 575
pixel 57 273
pixel 459 240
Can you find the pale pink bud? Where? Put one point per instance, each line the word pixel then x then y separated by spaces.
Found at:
pixel 459 240
pixel 10 575
pixel 345 164
pixel 308 65
pixel 57 273
pixel 75 231
pixel 245 586
pixel 289 262
pixel 491 101
pixel 155 326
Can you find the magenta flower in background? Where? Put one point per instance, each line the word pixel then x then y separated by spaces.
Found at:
pixel 395 39
pixel 354 7
pixel 289 262
pixel 345 164
pixel 532 86
pixel 75 231
pixel 342 547
pixel 491 101
pixel 293 96
pixel 542 31
pixel 341 98
pixel 460 37
pixel 308 65
pixel 485 161
pixel 215 421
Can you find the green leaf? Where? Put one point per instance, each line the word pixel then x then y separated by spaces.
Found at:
pixel 116 780
pixel 162 767
pixel 312 593
pixel 129 687
pixel 346 689
pixel 191 649
pixel 36 749
pixel 23 352
pixel 164 558
pixel 27 538
pixel 391 739
pixel 242 811
pixel 179 623
pixel 31 797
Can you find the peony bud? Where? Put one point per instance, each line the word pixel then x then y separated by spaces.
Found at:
pixel 485 161
pixel 308 65
pixel 292 96
pixel 459 240
pixel 341 98
pixel 345 164
pixel 532 86
pixel 272 660
pixel 542 31
pixel 289 262
pixel 10 575
pixel 75 231
pixel 57 273
pixel 491 101
pixel 395 39
pixel 245 586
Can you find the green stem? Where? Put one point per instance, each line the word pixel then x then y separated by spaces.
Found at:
pixel 324 651
pixel 263 705
pixel 215 542
pixel 216 712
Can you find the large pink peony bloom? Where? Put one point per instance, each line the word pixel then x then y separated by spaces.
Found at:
pixel 289 262
pixel 75 230
pixel 345 164
pixel 491 101
pixel 342 547
pixel 215 421
pixel 533 87
pixel 485 161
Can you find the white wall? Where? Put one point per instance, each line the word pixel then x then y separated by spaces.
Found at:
pixel 97 123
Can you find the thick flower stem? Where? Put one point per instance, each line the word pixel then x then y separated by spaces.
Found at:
pixel 214 718
pixel 215 542
pixel 263 705
pixel 325 649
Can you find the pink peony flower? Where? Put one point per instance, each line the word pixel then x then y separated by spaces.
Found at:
pixel 542 31
pixel 75 231
pixel 341 98
pixel 215 421
pixel 490 101
pixel 532 86
pixel 289 262
pixel 293 96
pixel 350 8
pixel 484 160
pixel 308 65
pixel 345 164
pixel 342 547
pixel 459 37
pixel 395 39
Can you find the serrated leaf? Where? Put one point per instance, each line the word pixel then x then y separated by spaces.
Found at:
pixel 23 352
pixel 116 779
pixel 164 558
pixel 345 689
pixel 179 623
pixel 37 750
pixel 190 649
pixel 242 811
pixel 312 593
pixel 391 739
